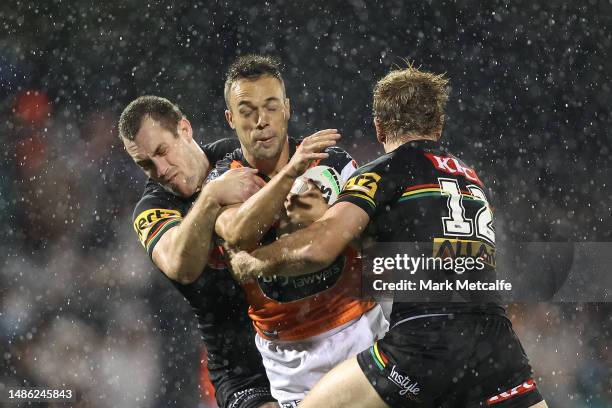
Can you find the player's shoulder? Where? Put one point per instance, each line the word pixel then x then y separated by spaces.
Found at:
pixel 411 157
pixel 335 152
pixel 232 160
pixel 218 150
pixel 379 165
pixel 439 160
pixel 154 197
pixel 390 167
pixel 338 153
pixel 340 160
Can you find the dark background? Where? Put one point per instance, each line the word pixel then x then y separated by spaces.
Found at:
pixel 80 303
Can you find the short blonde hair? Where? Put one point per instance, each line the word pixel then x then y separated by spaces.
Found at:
pixel 410 101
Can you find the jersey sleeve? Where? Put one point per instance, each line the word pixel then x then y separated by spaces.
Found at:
pixel 370 187
pixel 155 214
pixel 221 167
pixel 216 151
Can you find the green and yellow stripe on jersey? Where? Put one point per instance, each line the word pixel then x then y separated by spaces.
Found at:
pixel 151 224
pixel 159 230
pixel 379 358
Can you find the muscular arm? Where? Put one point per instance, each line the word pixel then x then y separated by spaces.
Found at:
pixel 307 250
pixel 242 226
pixel 182 252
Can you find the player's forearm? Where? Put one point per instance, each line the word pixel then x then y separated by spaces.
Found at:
pixel 248 224
pixel 186 248
pixel 306 251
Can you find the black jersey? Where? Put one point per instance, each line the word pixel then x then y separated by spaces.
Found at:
pixel 419 193
pixel 234 363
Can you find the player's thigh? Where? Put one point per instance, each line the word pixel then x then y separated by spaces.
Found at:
pixel 344 386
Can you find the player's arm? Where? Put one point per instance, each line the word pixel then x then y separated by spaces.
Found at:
pixel 182 252
pixel 308 250
pixel 243 226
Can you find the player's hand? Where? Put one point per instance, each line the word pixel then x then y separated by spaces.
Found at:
pixel 305 208
pixel 234 186
pixel 244 266
pixel 312 148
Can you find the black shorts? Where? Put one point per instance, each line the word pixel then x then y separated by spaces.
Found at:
pixel 250 398
pixel 460 360
pixel 236 389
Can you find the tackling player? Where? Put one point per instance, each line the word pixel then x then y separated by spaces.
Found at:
pixel 175 220
pixel 443 354
pixel 307 325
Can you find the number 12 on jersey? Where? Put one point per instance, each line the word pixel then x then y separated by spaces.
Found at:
pixel 457 224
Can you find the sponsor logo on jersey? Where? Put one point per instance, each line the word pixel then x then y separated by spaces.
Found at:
pixel 366 183
pixel 451 165
pixel 288 289
pixel 148 218
pixel 523 388
pixel 462 248
pixel 407 386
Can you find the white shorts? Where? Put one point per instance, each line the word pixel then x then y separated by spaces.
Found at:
pixel 294 367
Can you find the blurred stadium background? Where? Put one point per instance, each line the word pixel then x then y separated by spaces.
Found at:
pixel 81 304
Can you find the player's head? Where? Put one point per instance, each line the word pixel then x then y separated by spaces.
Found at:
pixel 160 140
pixel 257 107
pixel 409 104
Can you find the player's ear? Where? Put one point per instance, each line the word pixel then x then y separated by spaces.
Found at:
pixel 184 129
pixel 287 108
pixel 229 118
pixel 380 133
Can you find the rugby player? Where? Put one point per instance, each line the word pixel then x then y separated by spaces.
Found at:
pixel 307 325
pixel 175 221
pixel 439 354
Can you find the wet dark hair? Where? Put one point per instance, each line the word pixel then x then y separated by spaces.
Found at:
pixel 158 108
pixel 251 67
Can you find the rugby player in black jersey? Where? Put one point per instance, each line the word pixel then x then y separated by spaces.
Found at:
pixel 443 354
pixel 175 219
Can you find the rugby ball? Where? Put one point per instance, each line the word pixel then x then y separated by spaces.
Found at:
pixel 325 177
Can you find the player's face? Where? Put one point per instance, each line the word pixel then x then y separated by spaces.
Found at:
pixel 259 113
pixel 173 161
